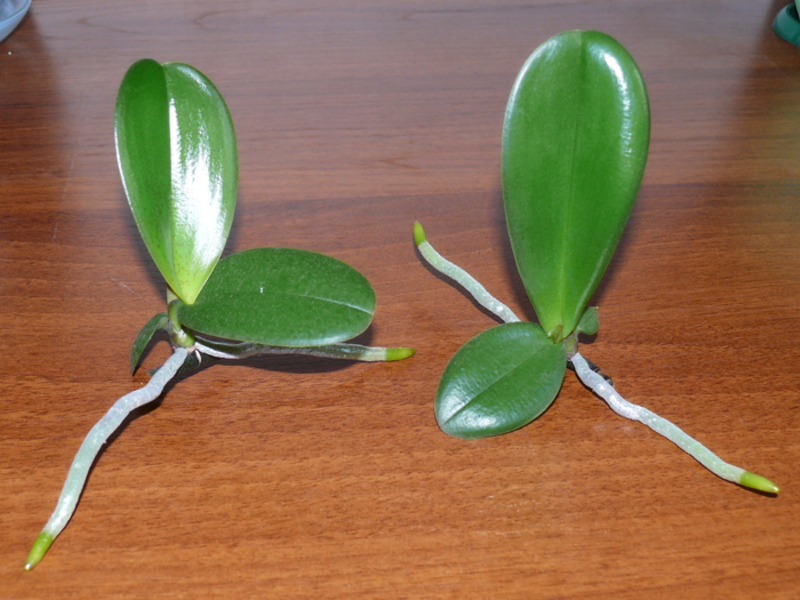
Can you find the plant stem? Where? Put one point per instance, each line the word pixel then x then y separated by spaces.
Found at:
pixel 341 351
pixel 460 276
pixel 97 436
pixel 600 386
pixel 179 336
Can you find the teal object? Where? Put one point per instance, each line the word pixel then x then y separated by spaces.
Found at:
pixel 787 24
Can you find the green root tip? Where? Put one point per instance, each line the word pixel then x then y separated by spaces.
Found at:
pixel 757 482
pixel 39 549
pixel 399 353
pixel 419 233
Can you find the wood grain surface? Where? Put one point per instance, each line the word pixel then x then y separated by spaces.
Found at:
pixel 305 478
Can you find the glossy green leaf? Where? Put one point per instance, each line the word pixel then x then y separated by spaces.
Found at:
pixel 144 336
pixel 282 297
pixel 176 149
pixel 575 142
pixel 500 380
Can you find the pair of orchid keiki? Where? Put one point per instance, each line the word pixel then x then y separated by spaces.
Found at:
pixel 575 142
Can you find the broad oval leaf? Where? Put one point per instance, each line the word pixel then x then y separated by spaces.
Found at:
pixel 575 141
pixel 176 149
pixel 500 380
pixel 282 297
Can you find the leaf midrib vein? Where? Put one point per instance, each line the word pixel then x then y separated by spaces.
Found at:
pixel 492 384
pixel 312 297
pixel 571 196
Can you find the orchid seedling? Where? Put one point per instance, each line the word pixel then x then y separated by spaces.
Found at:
pixel 575 142
pixel 177 154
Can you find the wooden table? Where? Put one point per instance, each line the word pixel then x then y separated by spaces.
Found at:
pixel 306 478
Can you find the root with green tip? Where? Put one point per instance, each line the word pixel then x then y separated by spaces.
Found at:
pixel 97 436
pixel 599 383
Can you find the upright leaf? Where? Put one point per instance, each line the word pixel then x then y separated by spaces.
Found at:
pixel 176 149
pixel 282 297
pixel 575 142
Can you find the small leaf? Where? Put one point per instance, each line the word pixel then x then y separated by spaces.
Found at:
pixel 144 336
pixel 282 297
pixel 590 322
pixel 500 380
pixel 575 140
pixel 176 149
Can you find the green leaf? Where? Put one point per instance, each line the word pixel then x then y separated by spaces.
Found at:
pixel 282 297
pixel 176 149
pixel 500 380
pixel 589 323
pixel 144 336
pixel 575 142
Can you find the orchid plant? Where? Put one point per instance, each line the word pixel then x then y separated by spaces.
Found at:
pixel 177 154
pixel 575 142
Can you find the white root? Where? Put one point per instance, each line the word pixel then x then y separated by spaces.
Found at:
pixel 600 386
pixel 97 436
pixel 467 281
